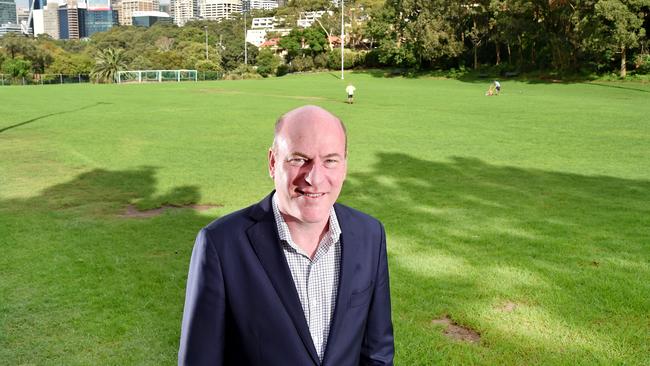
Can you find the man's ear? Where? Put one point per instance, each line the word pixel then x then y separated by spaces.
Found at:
pixel 272 162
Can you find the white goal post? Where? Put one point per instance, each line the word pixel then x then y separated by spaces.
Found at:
pixel 144 76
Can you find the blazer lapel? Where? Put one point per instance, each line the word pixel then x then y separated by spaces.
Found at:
pixel 349 259
pixel 266 243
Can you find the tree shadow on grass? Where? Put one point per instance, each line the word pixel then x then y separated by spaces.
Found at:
pixel 50 115
pixel 618 87
pixel 83 285
pixel 466 237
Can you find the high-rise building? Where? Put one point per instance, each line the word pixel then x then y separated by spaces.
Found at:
pixel 82 20
pixel 219 9
pixel 38 4
pixel 127 7
pixel 51 20
pixel 22 14
pixel 99 21
pixel 72 18
pixel 38 22
pixel 8 12
pixel 184 10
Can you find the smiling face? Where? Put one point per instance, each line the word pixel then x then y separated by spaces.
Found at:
pixel 308 164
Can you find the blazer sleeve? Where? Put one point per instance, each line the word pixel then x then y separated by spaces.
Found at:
pixel 203 327
pixel 378 345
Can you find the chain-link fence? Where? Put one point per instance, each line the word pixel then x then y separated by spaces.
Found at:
pixel 47 79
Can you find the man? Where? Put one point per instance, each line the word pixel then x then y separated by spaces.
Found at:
pixel 296 279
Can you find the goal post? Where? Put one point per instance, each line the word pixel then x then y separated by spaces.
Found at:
pixel 148 76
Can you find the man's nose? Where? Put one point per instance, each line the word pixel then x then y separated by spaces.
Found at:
pixel 314 174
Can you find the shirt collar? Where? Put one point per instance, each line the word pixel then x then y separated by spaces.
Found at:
pixel 332 235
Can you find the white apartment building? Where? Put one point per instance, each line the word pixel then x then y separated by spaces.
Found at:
pixel 258 36
pixel 260 27
pixel 127 7
pixel 184 10
pixel 264 23
pixel 219 9
pixel 263 4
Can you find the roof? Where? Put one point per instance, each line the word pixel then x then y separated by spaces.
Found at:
pixel 271 42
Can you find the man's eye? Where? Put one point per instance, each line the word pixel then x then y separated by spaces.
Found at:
pixel 331 162
pixel 297 161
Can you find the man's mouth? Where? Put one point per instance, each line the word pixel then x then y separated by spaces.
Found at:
pixel 310 194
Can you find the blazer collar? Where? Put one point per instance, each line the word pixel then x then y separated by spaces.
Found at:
pixel 264 238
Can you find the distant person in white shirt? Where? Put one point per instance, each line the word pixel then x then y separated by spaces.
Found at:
pixel 494 89
pixel 350 90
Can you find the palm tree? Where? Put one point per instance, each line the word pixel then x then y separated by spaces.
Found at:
pixel 107 63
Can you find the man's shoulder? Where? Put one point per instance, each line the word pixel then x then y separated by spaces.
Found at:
pixel 232 222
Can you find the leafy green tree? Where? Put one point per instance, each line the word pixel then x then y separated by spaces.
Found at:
pixel 70 64
pixel 107 63
pixel 309 41
pixel 141 62
pixel 15 45
pixel 623 21
pixel 16 67
pixel 208 65
pixel 267 62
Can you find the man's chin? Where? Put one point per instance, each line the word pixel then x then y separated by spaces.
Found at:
pixel 310 216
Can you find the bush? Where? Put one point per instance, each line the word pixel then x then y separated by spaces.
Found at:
pixel 371 59
pixel 304 63
pixel 17 67
pixel 321 60
pixel 267 62
pixel 334 59
pixel 208 65
pixel 642 63
pixel 283 69
pixel 243 72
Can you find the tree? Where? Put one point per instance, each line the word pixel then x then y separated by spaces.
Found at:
pixel 267 62
pixel 16 67
pixel 70 64
pixel 107 63
pixel 309 41
pixel 164 43
pixel 208 65
pixel 623 22
pixel 15 44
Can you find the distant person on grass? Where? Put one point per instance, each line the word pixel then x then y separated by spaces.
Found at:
pixel 296 279
pixel 350 91
pixel 494 89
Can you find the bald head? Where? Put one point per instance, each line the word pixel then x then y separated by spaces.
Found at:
pixel 309 117
pixel 308 164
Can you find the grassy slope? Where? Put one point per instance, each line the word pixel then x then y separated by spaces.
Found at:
pixel 537 197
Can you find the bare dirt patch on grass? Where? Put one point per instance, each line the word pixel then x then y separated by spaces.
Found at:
pixel 508 307
pixel 132 212
pixel 457 332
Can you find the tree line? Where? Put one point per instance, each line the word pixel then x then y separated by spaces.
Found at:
pixel 560 37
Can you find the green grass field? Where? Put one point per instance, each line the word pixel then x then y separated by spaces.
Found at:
pixel 525 217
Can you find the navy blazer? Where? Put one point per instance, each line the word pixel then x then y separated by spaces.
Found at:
pixel 242 307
